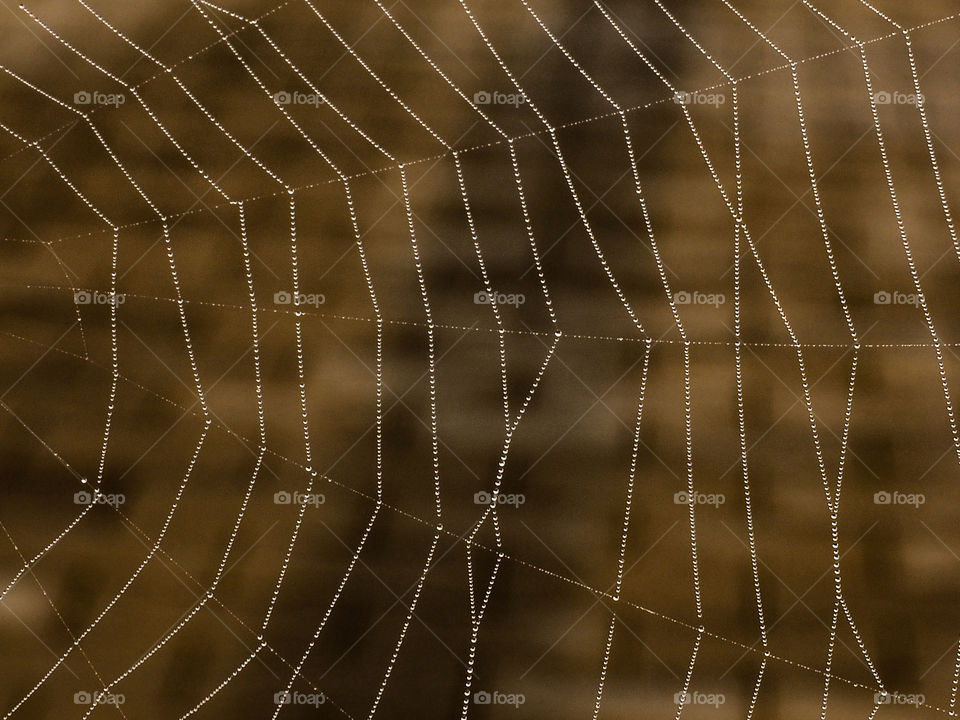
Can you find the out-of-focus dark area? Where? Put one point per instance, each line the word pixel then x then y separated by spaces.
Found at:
pixel 204 583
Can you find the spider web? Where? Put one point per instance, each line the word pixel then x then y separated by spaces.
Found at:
pixel 496 179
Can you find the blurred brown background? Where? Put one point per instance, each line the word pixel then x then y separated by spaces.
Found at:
pixel 204 111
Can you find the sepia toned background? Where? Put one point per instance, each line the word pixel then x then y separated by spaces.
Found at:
pixel 198 586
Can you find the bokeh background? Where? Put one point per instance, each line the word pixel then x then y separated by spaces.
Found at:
pixel 171 111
